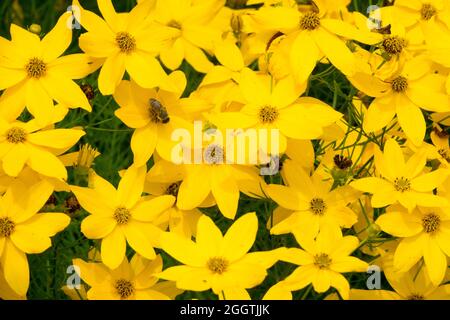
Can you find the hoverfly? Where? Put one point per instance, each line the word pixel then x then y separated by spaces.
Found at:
pixel 158 111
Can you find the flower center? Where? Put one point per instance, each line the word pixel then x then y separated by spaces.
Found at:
pixel 6 227
pixel 124 288
pixel 217 265
pixel 213 154
pixel 402 184
pixel 158 113
pixel 309 21
pixel 122 215
pixel 36 68
pixel 318 206
pixel 342 162
pixel 268 114
pixel 16 135
pixel 427 11
pixel 322 260
pixel 416 296
pixel 174 24
pixel 394 45
pixel 126 42
pixel 399 84
pixel 431 222
pixel 173 189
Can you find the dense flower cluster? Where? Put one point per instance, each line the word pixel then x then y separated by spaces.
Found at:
pixel 245 181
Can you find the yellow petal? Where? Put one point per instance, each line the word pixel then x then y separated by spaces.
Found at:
pixel 113 248
pixel 336 51
pixel 111 73
pixel 131 186
pixel 97 227
pixel 57 40
pixel 15 268
pixel 303 56
pixel 240 237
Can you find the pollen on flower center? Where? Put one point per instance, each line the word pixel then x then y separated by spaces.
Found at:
pixel 6 227
pixel 318 206
pixel 268 114
pixel 402 184
pixel 213 154
pixel 217 265
pixel 124 288
pixel 310 21
pixel 126 42
pixel 427 11
pixel 16 135
pixel 399 84
pixel 322 260
pixel 158 113
pixel 431 222
pixel 416 296
pixel 394 44
pixel 173 189
pixel 122 215
pixel 36 68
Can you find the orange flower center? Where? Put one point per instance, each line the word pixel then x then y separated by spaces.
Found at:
pixel 428 11
pixel 7 227
pixel 402 184
pixel 16 135
pixel 416 296
pixel 174 24
pixel 268 114
pixel 322 260
pixel 36 68
pixel 124 288
pixel 431 222
pixel 309 21
pixel 399 84
pixel 318 206
pixel 122 215
pixel 126 42
pixel 217 265
pixel 394 44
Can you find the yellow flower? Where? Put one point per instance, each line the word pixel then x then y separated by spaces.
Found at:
pixel 322 261
pixel 134 280
pixel 411 285
pixel 425 232
pixel 441 148
pixel 312 36
pixel 402 182
pixel 124 41
pixel 403 94
pixel 219 177
pixel 419 13
pixel 24 231
pixel 154 114
pixel 121 216
pixel 313 201
pixel 35 144
pixel 165 178
pixel 218 262
pixel 34 74
pixel 189 22
pixel 280 108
